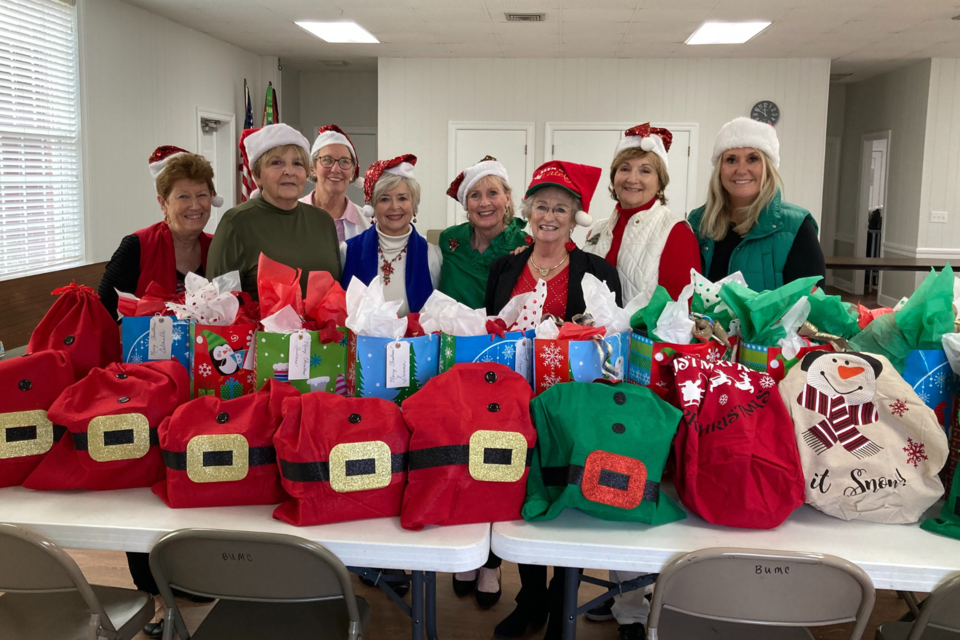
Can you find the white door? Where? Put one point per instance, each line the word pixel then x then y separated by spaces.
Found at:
pixel 594 144
pixel 510 143
pixel 216 143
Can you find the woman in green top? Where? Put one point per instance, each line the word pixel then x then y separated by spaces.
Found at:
pixel 275 222
pixel 491 231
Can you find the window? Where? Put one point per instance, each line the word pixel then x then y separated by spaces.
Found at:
pixel 41 212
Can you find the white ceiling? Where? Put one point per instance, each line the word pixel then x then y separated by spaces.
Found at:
pixel 862 37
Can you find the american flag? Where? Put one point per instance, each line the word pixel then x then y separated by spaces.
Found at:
pixel 247 185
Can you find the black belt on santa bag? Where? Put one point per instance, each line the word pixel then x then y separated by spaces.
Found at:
pixel 110 438
pixel 256 456
pixel 320 471
pixel 573 475
pixel 460 454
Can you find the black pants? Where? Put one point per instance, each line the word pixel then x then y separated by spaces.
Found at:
pixel 139 564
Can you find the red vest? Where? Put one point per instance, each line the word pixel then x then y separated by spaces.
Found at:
pixel 158 261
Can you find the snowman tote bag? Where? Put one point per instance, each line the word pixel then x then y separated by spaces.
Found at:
pixel 870 448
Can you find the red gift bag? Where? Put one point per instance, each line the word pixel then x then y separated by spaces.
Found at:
pixel 340 459
pixel 218 360
pixel 80 325
pixel 28 386
pixel 219 453
pixel 471 441
pixel 112 416
pixel 736 453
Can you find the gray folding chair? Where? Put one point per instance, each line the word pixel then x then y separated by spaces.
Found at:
pixel 753 594
pixel 939 617
pixel 46 595
pixel 269 586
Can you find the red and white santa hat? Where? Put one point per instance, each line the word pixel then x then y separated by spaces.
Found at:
pixel 400 166
pixel 742 133
pixel 158 162
pixel 262 140
pixel 579 179
pixel 469 177
pixel 332 134
pixel 655 139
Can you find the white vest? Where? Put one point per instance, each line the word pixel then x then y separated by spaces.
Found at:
pixel 638 263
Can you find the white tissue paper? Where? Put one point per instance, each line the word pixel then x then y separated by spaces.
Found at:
pixel 791 321
pixel 524 312
pixel 601 303
pixel 284 321
pixel 956 296
pixel 674 324
pixel 369 314
pixel 547 330
pixel 951 346
pixel 442 313
pixel 209 302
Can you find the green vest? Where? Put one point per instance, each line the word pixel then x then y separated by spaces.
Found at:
pixel 763 251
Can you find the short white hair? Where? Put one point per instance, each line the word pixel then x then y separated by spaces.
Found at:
pixel 526 206
pixel 390 181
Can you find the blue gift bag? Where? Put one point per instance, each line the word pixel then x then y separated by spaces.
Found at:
pixel 489 348
pixel 930 375
pixel 135 332
pixel 367 373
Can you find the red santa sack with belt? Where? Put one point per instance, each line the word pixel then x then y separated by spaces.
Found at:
pixel 29 385
pixel 112 416
pixel 471 441
pixel 340 459
pixel 219 453
pixel 871 449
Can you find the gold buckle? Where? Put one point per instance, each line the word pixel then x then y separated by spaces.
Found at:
pixel 497 456
pixel 218 458
pixel 121 437
pixel 358 466
pixel 25 433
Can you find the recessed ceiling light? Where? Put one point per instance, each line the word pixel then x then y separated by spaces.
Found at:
pixel 339 32
pixel 727 32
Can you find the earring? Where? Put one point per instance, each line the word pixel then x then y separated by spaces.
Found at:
pixel 414 218
pixel 660 195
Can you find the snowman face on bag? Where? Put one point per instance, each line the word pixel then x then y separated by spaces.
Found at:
pixel 222 357
pixel 852 376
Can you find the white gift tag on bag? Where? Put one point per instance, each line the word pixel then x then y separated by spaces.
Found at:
pixel 522 363
pixel 398 364
pixel 299 356
pixel 160 338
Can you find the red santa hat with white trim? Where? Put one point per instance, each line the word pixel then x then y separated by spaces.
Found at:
pixel 400 166
pixel 469 177
pixel 332 134
pixel 655 139
pixel 158 162
pixel 579 179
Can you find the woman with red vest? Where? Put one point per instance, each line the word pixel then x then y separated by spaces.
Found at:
pixel 167 251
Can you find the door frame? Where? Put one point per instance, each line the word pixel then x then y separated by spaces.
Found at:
pixel 227 126
pixel 472 125
pixel 693 151
pixel 828 228
pixel 863 199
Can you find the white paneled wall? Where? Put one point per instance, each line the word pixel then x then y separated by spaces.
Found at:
pixel 941 178
pixel 418 97
pixel 344 98
pixel 143 78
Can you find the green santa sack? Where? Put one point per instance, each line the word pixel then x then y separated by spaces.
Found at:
pixel 601 448
pixel 948 524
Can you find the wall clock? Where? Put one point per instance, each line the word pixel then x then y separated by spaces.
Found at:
pixel 766 111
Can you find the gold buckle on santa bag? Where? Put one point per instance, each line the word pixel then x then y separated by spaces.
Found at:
pixel 359 466
pixel 25 433
pixel 497 456
pixel 223 457
pixel 121 437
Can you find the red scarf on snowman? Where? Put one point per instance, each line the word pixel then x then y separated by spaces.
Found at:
pixel 840 424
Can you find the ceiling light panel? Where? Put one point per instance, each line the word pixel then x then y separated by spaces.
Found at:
pixel 727 32
pixel 338 32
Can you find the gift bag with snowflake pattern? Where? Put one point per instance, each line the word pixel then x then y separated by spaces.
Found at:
pixel 557 361
pixel 327 367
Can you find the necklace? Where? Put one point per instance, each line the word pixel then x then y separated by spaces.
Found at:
pixel 387 266
pixel 544 272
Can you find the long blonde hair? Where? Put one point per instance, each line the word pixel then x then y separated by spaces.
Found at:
pixel 716 216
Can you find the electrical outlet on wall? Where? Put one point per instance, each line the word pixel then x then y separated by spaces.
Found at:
pixel 938 216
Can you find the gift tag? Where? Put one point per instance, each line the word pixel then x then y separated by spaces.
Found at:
pixel 522 362
pixel 299 356
pixel 398 364
pixel 160 338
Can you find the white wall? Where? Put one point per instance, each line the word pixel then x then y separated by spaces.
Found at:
pixel 142 79
pixel 418 97
pixel 344 98
pixel 290 106
pixel 940 189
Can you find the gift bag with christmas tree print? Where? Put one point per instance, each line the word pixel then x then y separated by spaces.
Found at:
pixel 325 366
pixel 557 361
pixel 391 369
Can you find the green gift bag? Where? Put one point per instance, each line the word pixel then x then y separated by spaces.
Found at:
pixel 328 362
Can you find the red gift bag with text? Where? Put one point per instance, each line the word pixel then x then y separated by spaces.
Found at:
pixel 219 453
pixel 737 462
pixel 111 417
pixel 341 459
pixel 80 325
pixel 29 385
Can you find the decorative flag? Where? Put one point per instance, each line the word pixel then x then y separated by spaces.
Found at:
pixel 246 178
pixel 271 107
pixel 248 118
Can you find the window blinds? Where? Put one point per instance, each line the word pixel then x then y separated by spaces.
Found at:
pixel 41 213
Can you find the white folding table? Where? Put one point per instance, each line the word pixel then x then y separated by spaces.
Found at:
pixel 135 519
pixel 900 557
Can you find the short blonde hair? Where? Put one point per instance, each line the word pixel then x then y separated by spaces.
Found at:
pixel 716 215
pixel 508 212
pixel 390 181
pixel 632 153
pixel 185 166
pixel 526 206
pixel 274 152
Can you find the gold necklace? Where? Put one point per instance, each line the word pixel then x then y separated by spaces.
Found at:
pixel 544 272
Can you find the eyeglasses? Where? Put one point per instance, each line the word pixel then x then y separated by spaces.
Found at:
pixel 345 163
pixel 559 210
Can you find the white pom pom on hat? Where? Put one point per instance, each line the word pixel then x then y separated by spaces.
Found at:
pixel 368 211
pixel 584 219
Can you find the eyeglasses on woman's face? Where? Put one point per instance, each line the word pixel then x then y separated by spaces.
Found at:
pixel 345 163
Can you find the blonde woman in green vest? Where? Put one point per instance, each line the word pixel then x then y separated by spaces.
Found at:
pixel 745 225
